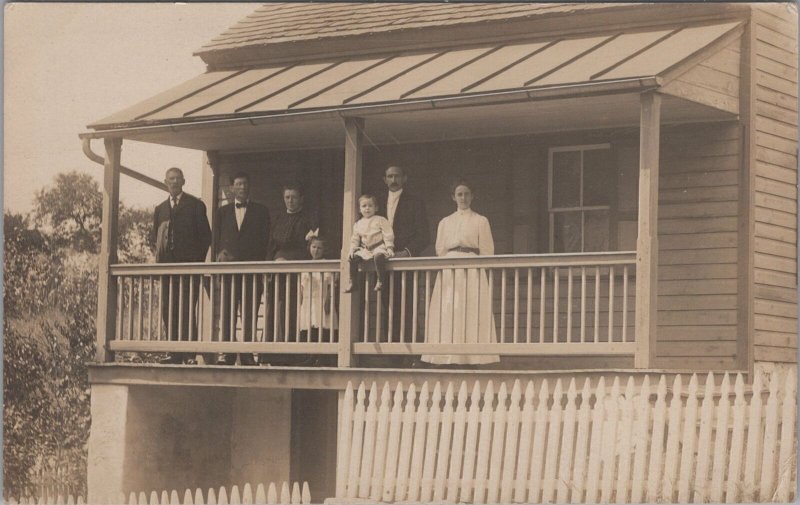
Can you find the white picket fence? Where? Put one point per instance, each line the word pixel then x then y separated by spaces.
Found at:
pixel 270 496
pixel 639 444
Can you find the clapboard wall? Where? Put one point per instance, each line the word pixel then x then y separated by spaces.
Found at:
pixel 698 271
pixel 775 182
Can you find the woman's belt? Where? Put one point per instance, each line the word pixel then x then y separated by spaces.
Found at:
pixel 473 250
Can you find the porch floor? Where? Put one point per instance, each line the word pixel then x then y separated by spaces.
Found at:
pixel 331 378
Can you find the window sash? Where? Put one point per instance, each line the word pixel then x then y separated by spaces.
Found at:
pixel 583 209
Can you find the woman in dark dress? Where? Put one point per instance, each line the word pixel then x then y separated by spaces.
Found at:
pixel 288 243
pixel 289 230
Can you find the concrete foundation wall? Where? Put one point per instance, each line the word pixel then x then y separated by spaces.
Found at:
pixel 148 438
pixel 260 436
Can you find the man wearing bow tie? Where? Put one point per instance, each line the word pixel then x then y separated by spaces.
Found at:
pixel 243 230
pixel 182 235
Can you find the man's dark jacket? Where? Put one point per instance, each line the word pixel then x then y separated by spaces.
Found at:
pixel 190 232
pixel 251 242
pixel 410 224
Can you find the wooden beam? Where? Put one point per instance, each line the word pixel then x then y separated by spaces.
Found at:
pixel 533 349
pixel 647 241
pixel 106 284
pixel 349 306
pixel 329 378
pixel 745 334
pixel 210 195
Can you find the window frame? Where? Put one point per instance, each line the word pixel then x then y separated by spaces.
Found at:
pixel 551 211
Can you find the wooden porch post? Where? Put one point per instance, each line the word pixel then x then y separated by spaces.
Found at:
pixel 106 286
pixel 647 241
pixel 210 195
pixel 349 306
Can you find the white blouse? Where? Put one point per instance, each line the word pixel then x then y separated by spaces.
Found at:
pixel 464 228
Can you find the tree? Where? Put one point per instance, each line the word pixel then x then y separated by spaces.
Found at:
pixel 73 208
pixel 50 304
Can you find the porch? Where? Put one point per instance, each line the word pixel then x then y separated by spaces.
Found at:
pixel 615 239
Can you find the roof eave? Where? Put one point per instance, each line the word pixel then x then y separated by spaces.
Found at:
pixel 632 85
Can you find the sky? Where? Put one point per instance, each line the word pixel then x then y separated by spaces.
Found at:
pixel 67 65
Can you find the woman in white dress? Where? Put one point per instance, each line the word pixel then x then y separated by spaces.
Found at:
pixel 460 309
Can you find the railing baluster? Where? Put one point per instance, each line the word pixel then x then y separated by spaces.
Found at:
pixel 596 304
pixel 149 307
pixel 170 326
pixel 415 308
pixel 296 282
pixel 529 319
pixel 516 305
pixel 181 303
pixel 287 301
pixel 466 305
pixel 503 305
pixel 390 308
pixel 120 308
pixel 275 308
pixel 427 303
pixel 161 307
pixel 254 309
pixel 556 319
pixel 490 301
pixel 625 303
pixel 367 308
pixel 212 307
pixel 323 277
pixel 611 304
pixel 140 301
pixel 569 304
pixel 402 306
pixel 542 305
pixel 583 304
pixel 130 307
pixel 331 325
pixel 191 307
pixel 267 306
pixel 227 296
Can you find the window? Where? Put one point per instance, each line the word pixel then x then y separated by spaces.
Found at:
pixel 582 183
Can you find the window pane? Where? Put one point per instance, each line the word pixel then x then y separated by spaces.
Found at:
pixel 596 234
pixel 567 232
pixel 599 177
pixel 566 179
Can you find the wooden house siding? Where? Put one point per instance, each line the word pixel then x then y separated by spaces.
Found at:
pixel 713 82
pixel 775 181
pixel 698 222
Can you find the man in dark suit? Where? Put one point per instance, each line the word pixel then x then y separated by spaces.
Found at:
pixel 409 219
pixel 182 235
pixel 243 231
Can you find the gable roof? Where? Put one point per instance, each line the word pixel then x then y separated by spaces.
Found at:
pixel 285 22
pixel 280 32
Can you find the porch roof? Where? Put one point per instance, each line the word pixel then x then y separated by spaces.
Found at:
pixel 605 64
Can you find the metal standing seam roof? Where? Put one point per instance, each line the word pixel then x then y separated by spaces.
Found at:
pixel 399 78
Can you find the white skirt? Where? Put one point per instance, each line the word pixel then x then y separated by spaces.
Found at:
pixel 460 312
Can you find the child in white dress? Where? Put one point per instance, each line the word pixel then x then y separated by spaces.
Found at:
pixel 316 316
pixel 372 239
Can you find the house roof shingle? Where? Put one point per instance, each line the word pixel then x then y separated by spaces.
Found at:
pixel 276 23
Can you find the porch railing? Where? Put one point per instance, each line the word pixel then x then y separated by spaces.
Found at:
pixel 561 304
pixel 513 304
pixel 276 307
